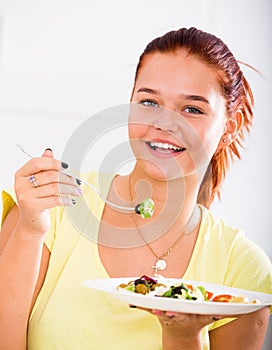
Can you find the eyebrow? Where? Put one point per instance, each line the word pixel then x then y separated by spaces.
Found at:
pixel 183 96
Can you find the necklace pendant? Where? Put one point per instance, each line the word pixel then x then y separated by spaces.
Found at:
pixel 160 265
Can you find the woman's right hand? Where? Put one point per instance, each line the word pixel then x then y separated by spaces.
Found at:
pixel 52 187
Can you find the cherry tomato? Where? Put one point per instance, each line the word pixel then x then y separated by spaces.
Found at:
pixel 223 298
pixel 208 295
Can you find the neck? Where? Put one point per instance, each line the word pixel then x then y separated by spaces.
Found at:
pixel 177 195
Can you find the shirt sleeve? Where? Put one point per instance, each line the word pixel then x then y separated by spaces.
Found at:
pixel 249 267
pixel 9 200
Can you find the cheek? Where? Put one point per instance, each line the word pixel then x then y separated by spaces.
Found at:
pixel 203 144
pixel 211 136
pixel 137 131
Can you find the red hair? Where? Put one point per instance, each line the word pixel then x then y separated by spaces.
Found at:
pixel 235 89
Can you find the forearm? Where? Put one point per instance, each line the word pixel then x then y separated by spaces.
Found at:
pixel 19 270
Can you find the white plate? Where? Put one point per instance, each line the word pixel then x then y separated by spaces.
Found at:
pixel 110 285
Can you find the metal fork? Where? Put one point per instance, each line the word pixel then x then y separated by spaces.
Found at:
pixel 113 205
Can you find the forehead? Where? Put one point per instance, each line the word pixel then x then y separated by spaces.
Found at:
pixel 177 70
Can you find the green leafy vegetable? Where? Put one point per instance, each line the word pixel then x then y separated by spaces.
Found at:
pixel 145 208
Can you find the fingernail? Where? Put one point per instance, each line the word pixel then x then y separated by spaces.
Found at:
pixel 79 190
pixel 156 312
pixel 74 201
pixel 216 318
pixel 48 149
pixel 78 182
pixel 64 165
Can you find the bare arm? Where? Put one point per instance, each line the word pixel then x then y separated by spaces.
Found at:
pixel 23 265
pixel 246 332
pixel 23 255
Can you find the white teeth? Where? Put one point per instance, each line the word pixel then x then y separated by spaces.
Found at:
pixel 165 146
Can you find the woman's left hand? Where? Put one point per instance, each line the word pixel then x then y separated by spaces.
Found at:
pixel 183 330
pixel 183 324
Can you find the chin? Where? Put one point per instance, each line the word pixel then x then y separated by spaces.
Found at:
pixel 171 173
pixel 159 173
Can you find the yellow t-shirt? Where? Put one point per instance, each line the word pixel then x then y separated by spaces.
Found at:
pixel 69 316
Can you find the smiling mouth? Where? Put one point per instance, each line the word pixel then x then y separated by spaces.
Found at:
pixel 165 147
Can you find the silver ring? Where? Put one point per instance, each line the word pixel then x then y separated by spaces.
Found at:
pixel 32 180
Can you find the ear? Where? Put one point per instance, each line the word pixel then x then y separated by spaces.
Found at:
pixel 232 128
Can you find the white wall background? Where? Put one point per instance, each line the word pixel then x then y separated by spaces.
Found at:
pixel 64 60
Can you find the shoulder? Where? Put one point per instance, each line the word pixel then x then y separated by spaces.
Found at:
pixel 221 233
pixel 217 230
pixel 250 267
pixel 240 261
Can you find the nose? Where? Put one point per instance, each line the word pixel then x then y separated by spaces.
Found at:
pixel 166 120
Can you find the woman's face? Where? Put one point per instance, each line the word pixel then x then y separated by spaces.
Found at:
pixel 177 115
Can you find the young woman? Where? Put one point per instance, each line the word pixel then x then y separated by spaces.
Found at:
pixel 190 108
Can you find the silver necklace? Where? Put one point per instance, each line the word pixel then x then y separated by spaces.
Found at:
pixel 160 263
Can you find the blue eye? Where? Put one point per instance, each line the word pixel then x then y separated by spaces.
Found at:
pixel 193 110
pixel 149 103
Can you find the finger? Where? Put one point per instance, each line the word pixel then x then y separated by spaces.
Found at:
pixel 57 189
pixel 52 176
pixel 171 314
pixel 36 165
pixel 48 153
pixel 57 201
pixel 217 317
